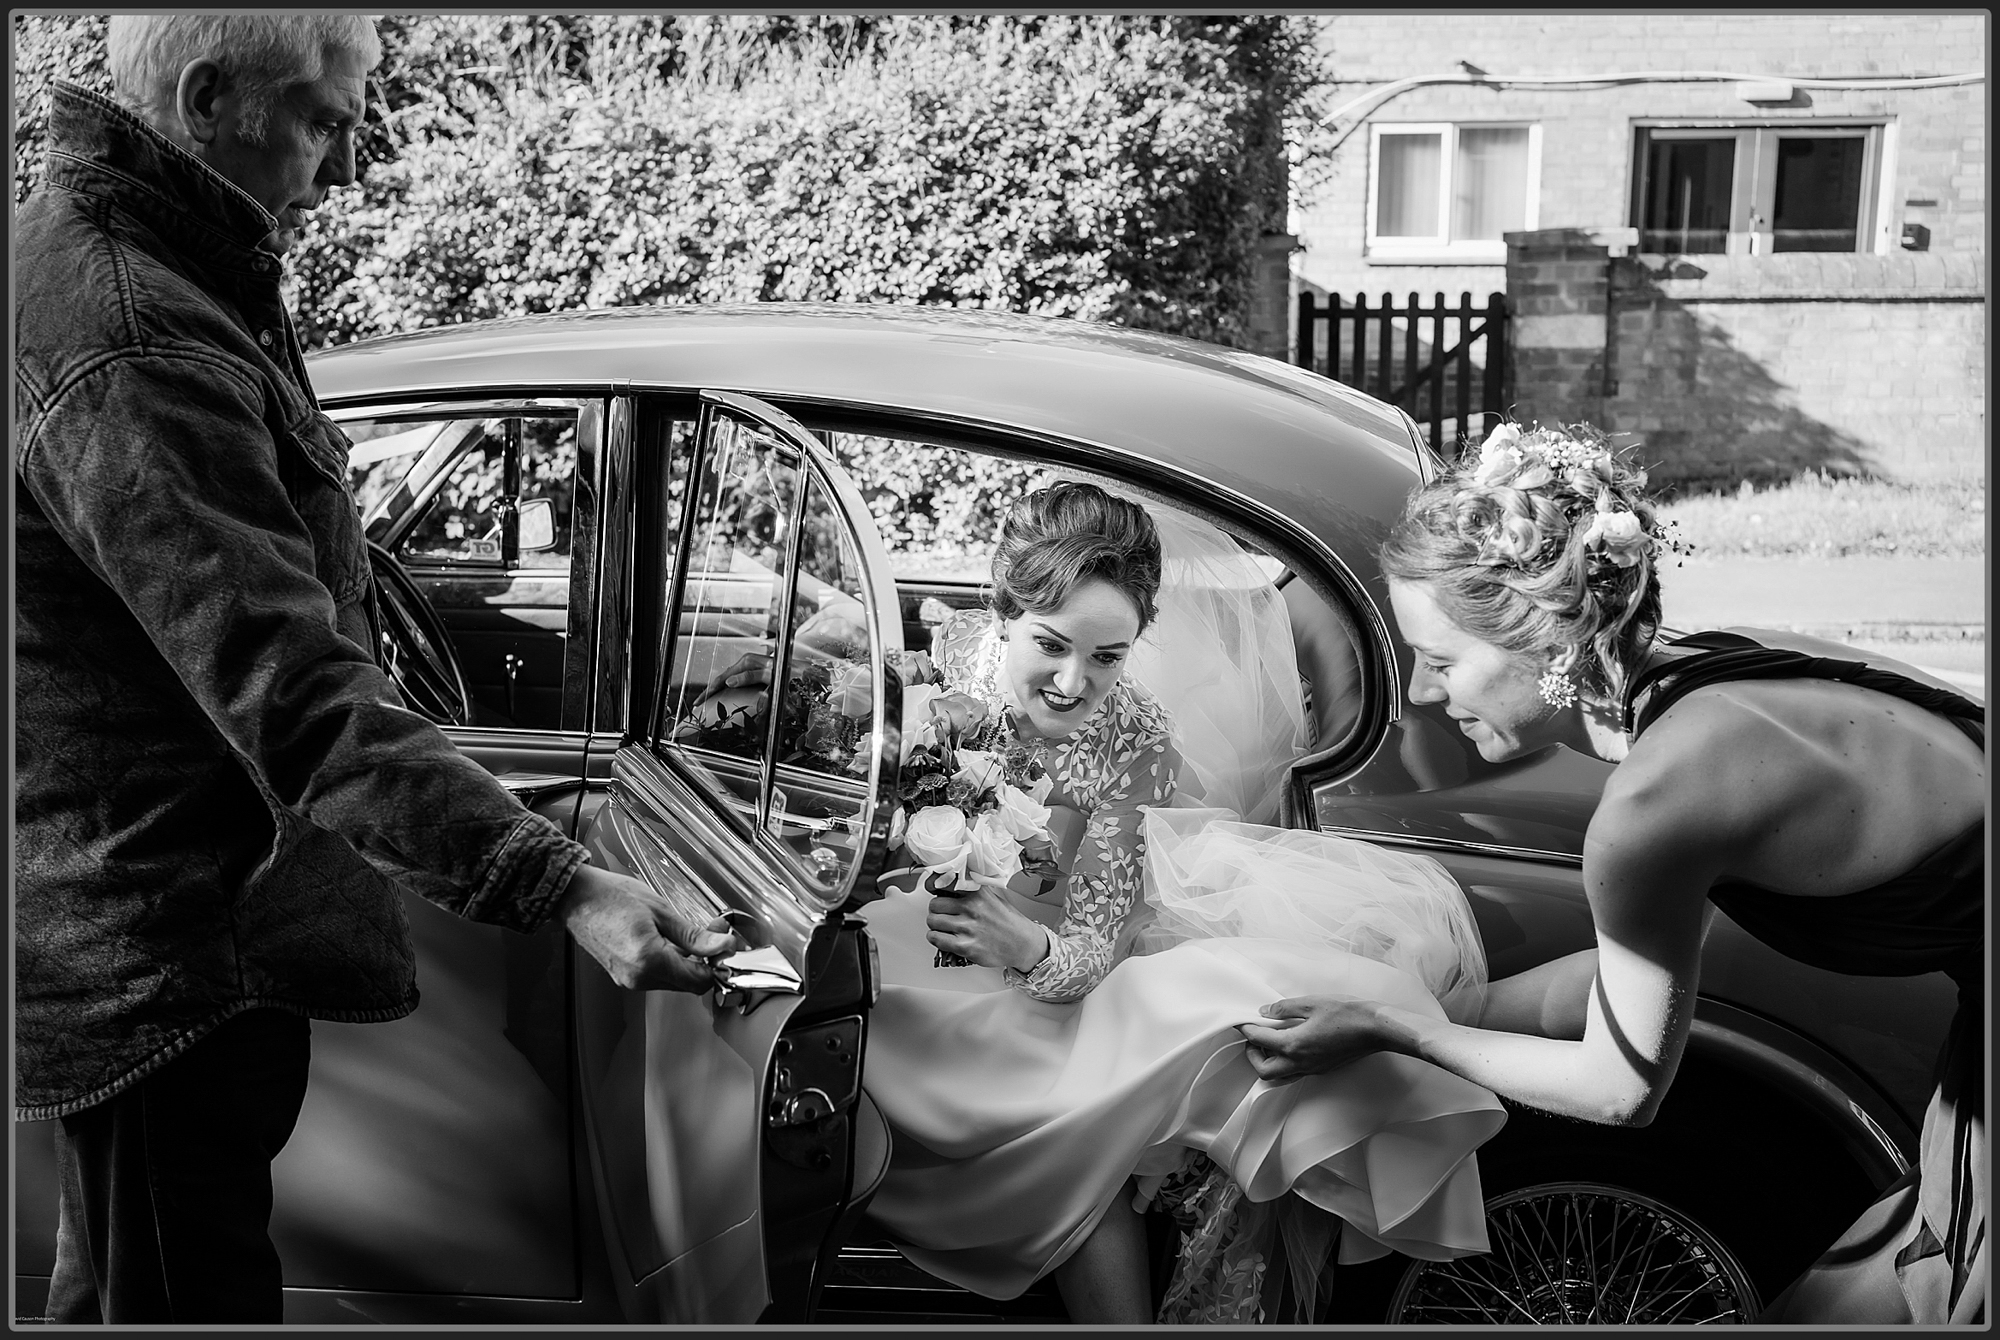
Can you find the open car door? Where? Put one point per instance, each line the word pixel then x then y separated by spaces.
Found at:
pixel 730 1141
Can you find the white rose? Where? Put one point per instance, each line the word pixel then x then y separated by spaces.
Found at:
pixel 1039 789
pixel 917 710
pixel 978 769
pixel 939 838
pixel 1497 464
pixel 996 853
pixel 1619 535
pixel 1503 437
pixel 1023 815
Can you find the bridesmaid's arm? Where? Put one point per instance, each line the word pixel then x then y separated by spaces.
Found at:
pixel 1648 862
pixel 1105 885
pixel 1549 1000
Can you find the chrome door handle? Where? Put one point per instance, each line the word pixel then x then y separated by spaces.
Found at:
pixel 528 787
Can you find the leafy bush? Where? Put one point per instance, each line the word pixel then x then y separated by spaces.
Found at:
pixel 1118 168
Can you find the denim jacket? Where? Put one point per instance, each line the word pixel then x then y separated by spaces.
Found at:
pixel 218 790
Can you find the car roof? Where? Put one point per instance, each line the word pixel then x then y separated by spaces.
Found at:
pixel 1329 459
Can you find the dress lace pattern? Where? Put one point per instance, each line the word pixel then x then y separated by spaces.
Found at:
pixel 1120 760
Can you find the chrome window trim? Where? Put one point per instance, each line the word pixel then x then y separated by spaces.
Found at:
pixel 1383 683
pixel 1380 838
pixel 1084 448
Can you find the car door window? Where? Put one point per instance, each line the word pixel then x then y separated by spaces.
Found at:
pixel 477 505
pixel 732 612
pixel 939 503
pixel 777 591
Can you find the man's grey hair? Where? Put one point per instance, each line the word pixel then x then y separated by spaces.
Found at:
pixel 261 55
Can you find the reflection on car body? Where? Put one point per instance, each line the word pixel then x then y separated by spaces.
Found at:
pixel 535 1145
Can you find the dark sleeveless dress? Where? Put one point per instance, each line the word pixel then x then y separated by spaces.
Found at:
pixel 1930 918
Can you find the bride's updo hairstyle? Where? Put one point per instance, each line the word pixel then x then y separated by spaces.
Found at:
pixel 1546 541
pixel 1058 537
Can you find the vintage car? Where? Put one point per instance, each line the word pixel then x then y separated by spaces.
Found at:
pixel 579 519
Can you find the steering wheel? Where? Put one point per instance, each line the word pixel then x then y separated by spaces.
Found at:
pixel 416 650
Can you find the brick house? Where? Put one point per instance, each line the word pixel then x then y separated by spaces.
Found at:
pixel 1776 269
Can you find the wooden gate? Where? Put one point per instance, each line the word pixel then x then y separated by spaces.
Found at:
pixel 1441 364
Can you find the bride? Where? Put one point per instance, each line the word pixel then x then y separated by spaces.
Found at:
pixel 1089 1063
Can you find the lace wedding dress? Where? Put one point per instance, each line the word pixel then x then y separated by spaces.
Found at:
pixel 1021 1103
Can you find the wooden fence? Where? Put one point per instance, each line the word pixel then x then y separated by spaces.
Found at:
pixel 1441 363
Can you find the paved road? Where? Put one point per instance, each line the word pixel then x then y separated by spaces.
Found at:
pixel 1928 611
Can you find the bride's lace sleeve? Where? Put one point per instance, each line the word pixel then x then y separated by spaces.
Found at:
pixel 1128 763
pixel 957 645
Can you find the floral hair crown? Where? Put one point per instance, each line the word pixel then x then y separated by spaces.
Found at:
pixel 1578 458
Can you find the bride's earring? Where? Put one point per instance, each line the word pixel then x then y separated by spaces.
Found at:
pixel 1558 690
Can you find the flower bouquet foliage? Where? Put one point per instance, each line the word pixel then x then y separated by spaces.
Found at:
pixel 969 797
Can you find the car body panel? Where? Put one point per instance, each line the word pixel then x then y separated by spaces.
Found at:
pixel 432 1153
pixel 641 1181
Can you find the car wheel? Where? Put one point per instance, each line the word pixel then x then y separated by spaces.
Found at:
pixel 1581 1253
pixel 416 650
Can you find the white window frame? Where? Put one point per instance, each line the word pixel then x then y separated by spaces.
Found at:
pixel 1441 248
pixel 1754 184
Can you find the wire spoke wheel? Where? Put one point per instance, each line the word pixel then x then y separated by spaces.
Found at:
pixel 1581 1253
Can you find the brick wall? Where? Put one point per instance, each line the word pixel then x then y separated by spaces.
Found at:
pixel 1558 283
pixel 1726 368
pixel 1587 138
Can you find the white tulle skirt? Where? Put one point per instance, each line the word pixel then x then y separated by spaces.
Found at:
pixel 1016 1121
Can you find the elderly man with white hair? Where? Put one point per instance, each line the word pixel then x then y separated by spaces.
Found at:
pixel 218 790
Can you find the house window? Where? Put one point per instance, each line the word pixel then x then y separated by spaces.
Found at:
pixel 1755 190
pixel 1445 193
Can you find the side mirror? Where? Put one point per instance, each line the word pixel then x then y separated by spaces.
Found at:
pixel 537 525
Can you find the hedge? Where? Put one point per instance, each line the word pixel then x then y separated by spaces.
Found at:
pixel 1118 168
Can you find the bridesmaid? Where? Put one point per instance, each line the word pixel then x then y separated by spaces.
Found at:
pixel 1835 810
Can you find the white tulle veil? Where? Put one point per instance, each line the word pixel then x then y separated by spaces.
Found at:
pixel 1220 658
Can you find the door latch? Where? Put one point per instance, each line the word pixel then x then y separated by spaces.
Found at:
pixel 800 1109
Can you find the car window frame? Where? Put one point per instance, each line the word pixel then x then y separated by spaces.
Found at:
pixel 594 417
pixel 1306 556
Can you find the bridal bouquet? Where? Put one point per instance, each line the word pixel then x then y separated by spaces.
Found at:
pixel 969 799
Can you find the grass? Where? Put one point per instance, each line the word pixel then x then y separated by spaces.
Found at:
pixel 1821 516
pixel 1813 516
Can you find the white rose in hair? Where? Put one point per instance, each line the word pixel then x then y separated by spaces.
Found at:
pixel 1497 464
pixel 1023 815
pixel 1620 536
pixel 939 837
pixel 996 853
pixel 1503 437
